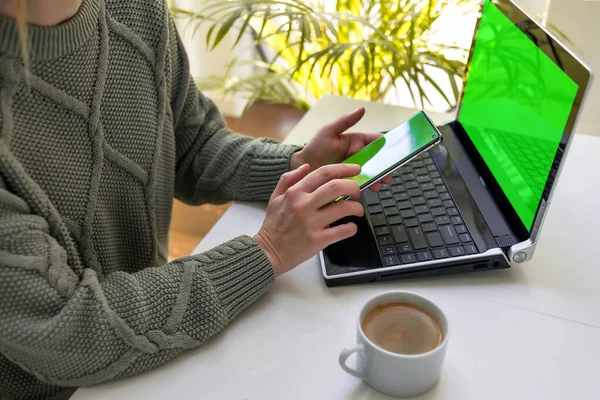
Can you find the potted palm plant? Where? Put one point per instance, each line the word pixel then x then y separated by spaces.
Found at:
pixel 365 49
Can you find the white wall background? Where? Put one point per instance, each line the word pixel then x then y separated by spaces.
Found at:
pixel 580 21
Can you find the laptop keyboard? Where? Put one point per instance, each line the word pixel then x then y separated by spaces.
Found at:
pixel 415 218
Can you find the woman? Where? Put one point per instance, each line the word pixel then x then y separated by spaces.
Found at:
pixel 100 126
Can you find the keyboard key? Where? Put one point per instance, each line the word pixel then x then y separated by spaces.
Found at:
pixel 434 174
pixel 442 220
pixel 414 192
pixel 384 186
pixel 401 196
pixel 429 227
pixel 424 256
pixel 394 220
pixel 434 203
pixel 399 233
pixel 452 211
pixel 388 250
pixel 374 209
pixel 445 196
pixel 470 249
pixel 406 169
pixel 457 251
pixel 441 188
pixel 417 238
pixel 437 181
pixel 449 235
pixel 411 222
pixel 423 218
pixel 427 161
pixel 420 171
pixel 382 230
pixel 437 211
pixel 396 179
pixel 384 240
pixel 465 238
pixel 411 185
pixel 456 220
pixel 427 186
pixel 398 187
pixel 404 248
pixel 370 197
pixel 388 203
pixel 430 194
pixel 431 168
pixel 423 178
pixel 440 253
pixel 404 205
pixel 421 209
pixel 408 258
pixel 377 219
pixel 390 211
pixel 408 177
pixel 435 239
pixel 391 260
pixel 417 201
pixel 448 203
pixel 460 229
pixel 385 194
pixel 407 214
pixel 417 164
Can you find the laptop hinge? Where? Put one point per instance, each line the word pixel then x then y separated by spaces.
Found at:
pixel 506 241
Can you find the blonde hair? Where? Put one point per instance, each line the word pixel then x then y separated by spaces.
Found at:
pixel 21 12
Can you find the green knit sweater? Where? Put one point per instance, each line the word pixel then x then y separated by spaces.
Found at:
pixel 94 145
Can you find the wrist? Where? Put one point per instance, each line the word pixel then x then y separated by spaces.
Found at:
pixel 270 252
pixel 297 160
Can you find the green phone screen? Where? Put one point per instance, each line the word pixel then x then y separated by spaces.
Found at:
pixel 393 148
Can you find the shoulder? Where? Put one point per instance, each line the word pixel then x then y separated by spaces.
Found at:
pixel 146 18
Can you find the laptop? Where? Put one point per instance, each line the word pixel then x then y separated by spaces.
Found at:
pixel 477 201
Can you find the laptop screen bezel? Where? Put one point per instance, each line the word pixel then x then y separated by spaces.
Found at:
pixel 578 72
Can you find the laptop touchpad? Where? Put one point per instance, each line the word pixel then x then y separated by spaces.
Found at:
pixel 358 251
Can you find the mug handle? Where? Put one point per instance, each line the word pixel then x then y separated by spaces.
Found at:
pixel 347 352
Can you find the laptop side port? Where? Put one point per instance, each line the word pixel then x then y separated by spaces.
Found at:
pixel 483 265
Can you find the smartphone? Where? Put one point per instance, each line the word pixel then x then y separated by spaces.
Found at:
pixel 394 149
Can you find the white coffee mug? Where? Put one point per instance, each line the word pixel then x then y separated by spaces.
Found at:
pixel 393 374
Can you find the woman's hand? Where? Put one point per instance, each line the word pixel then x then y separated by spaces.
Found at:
pixel 297 224
pixel 331 145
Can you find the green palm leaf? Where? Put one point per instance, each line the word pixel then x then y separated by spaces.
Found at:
pixel 357 48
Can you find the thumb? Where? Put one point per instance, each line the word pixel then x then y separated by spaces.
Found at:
pixel 343 123
pixel 289 179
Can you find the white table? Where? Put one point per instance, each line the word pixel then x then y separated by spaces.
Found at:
pixel 529 332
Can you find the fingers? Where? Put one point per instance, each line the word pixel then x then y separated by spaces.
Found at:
pixel 343 123
pixel 289 179
pixel 321 176
pixel 339 232
pixel 346 208
pixel 376 187
pixel 360 140
pixel 334 189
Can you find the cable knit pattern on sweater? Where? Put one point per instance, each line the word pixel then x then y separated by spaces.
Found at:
pixel 97 136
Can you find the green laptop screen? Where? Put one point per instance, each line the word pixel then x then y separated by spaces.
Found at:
pixel 516 104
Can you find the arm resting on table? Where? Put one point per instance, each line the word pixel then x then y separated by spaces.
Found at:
pixel 68 327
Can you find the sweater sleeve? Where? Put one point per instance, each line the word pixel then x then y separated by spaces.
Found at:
pixel 214 164
pixel 60 322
